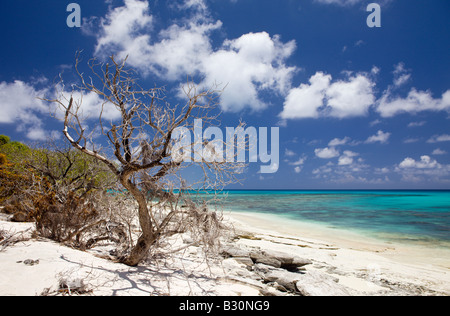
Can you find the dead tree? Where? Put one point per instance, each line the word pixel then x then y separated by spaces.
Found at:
pixel 140 141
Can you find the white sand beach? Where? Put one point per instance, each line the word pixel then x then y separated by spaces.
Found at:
pixel 367 266
pixel 356 265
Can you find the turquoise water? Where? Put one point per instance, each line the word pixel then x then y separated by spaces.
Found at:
pixel 415 216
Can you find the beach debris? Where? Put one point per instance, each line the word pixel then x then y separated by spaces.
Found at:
pixel 274 259
pixel 239 254
pixel 279 260
pixel 244 260
pixel 281 272
pixel 249 237
pixel 261 257
pixel 29 262
pixel 305 283
pixel 72 286
pixel 284 278
pixel 287 261
pixel 10 238
pixel 231 251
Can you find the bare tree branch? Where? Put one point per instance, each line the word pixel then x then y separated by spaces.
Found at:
pixel 140 145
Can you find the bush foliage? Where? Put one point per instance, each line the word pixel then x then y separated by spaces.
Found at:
pixel 63 191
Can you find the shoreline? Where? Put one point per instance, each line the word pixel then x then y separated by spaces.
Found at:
pixel 338 262
pixel 362 263
pixel 351 239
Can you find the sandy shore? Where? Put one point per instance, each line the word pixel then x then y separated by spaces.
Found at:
pixel 186 273
pixel 362 266
pixel 365 265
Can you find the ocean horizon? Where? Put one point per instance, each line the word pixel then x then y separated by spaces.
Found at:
pixel 410 216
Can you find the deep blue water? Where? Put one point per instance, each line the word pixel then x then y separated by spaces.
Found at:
pixel 422 216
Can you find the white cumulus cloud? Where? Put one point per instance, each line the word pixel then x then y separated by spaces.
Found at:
pixel 380 137
pixel 425 169
pixel 122 31
pixel 425 163
pixel 20 105
pixel 439 139
pixel 351 98
pixel 327 153
pixel 305 101
pixel 246 66
pixel 19 102
pixel 439 151
pixel 338 142
pixel 415 102
pixel 347 158
pixel 347 98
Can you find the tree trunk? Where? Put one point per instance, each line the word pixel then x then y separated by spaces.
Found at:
pixel 148 237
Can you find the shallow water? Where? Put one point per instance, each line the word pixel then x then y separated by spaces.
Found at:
pixel 410 216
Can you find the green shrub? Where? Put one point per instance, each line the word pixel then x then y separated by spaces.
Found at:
pixel 4 140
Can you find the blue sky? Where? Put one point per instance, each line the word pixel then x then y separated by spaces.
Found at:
pixel 357 107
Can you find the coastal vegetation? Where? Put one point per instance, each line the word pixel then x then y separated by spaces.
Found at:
pixel 80 192
pixel 56 187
